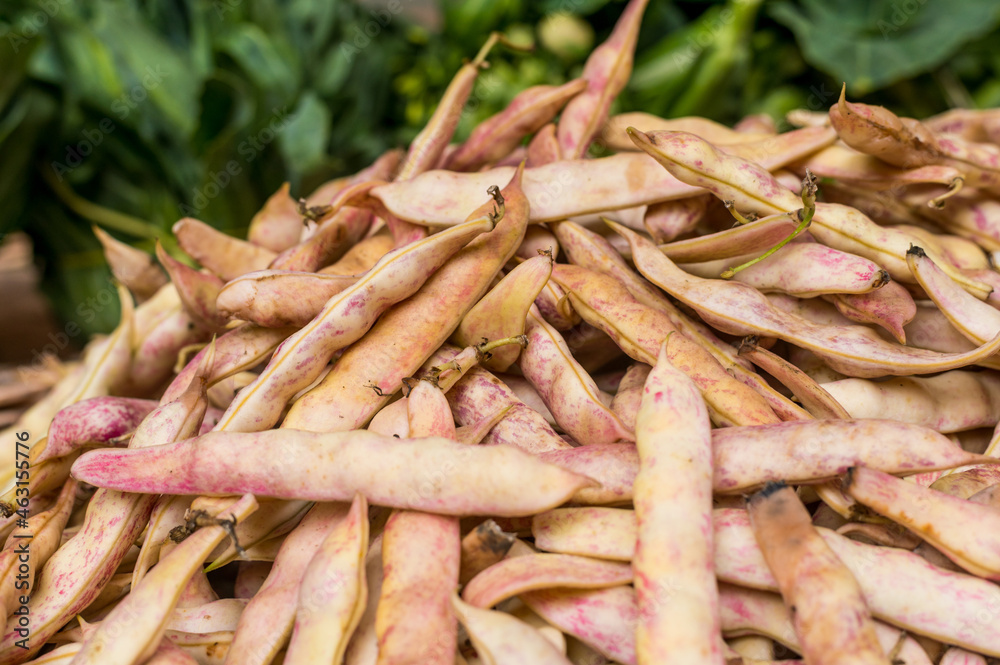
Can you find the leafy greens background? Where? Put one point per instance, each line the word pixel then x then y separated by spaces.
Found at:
pixel 130 114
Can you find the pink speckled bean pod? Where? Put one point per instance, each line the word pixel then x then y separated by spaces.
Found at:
pixel 104 369
pixel 802 269
pixel 345 318
pixel 605 303
pixel 570 188
pixel 166 514
pixel 752 188
pixel 896 583
pixel 598 532
pixel 860 170
pixel 272 519
pixel 777 151
pixel 617 138
pixel 214 616
pixel 810 394
pixel 333 593
pixel 567 389
pixel 224 255
pixel 362 256
pixel 607 71
pixel 277 226
pixel 931 329
pixel 345 227
pixel 603 619
pixel 555 190
pixel 410 332
pixel 516 575
pixel 78 571
pixel 741 310
pixel 953 616
pixel 750 611
pixel 250 578
pixel 976 320
pixel 748 457
pixel 971 124
pixel 968 482
pixel 493 138
pixel 198 291
pixel 735 243
pixel 167 653
pixel 328 242
pixel 503 639
pixel 665 221
pixel 613 465
pixel 629 394
pixel 972 214
pixel 266 623
pixel 589 250
pixel 890 307
pixel 960 252
pixel 676 594
pixel 429 145
pixel 543 147
pixel 831 619
pixel 479 396
pixel 962 530
pixel 554 306
pixel 239 349
pixel 816 450
pixel 414 622
pixel 181 418
pixel 97 420
pixel 273 298
pixel 132 267
pixel 877 131
pixel 133 629
pixel 956 656
pixel 907 142
pixel 951 402
pixel 333 466
pixel 155 350
pixel 502 312
pixel 39 540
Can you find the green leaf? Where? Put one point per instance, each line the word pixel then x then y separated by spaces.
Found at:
pixel 262 62
pixel 86 63
pixel 874 44
pixel 79 284
pixel 13 69
pixel 20 129
pixel 303 140
pixel 160 87
pixel 578 7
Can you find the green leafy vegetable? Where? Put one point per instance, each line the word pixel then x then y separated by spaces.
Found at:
pixel 873 44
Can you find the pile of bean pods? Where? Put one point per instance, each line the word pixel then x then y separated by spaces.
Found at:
pixel 725 395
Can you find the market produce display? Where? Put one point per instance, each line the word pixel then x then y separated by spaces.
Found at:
pixel 724 395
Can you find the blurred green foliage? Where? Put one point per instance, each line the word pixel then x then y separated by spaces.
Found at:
pixel 133 113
